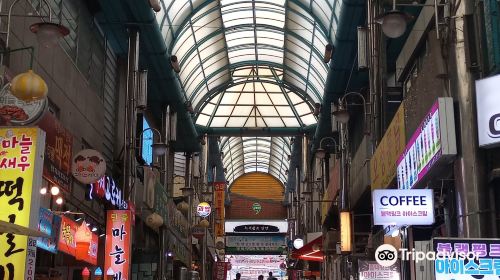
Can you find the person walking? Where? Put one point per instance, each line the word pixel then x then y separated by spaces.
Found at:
pixel 238 276
pixel 270 276
pixel 261 277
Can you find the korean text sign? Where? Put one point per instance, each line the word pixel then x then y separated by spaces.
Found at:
pixel 433 141
pixel 49 224
pixel 403 207
pixel 219 190
pixel 371 270
pixel 67 242
pixel 117 254
pixel 58 152
pixel 21 163
pixel 383 163
pixel 220 271
pixel 485 267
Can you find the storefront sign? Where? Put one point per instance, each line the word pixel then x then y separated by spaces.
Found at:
pixel 67 242
pixel 371 270
pixel 383 163
pixel 91 257
pixel 434 141
pixel 219 197
pixel 58 149
pixel 255 244
pixel 19 112
pixel 49 224
pixel 21 160
pixel 88 166
pixel 403 207
pixel 488 111
pixel 256 228
pixel 242 226
pixel 448 266
pixel 203 210
pixel 117 254
pixel 107 190
pixel 220 272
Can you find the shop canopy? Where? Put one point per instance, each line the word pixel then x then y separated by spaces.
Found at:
pixel 308 252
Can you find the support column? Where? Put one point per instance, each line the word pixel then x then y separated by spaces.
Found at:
pixel 470 175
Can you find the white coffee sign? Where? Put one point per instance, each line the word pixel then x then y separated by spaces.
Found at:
pixel 488 111
pixel 403 207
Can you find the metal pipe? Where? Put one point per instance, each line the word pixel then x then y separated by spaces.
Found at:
pixel 130 111
pixel 165 131
pixel 187 174
pixel 204 256
pixel 343 144
pixel 436 18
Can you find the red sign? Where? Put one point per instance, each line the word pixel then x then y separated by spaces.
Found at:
pixel 117 254
pixel 220 272
pixel 106 189
pixel 219 192
pixel 67 242
pixel 93 249
pixel 58 149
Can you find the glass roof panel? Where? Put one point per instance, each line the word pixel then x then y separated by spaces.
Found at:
pixel 265 154
pixel 251 63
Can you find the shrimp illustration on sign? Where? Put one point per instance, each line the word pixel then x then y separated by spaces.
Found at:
pixel 257 208
pixel 88 166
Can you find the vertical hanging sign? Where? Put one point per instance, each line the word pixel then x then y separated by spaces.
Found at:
pixel 21 163
pixel 117 254
pixel 219 191
pixel 220 272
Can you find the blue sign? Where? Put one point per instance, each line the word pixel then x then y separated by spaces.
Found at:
pixel 147 142
pixel 463 259
pixel 50 225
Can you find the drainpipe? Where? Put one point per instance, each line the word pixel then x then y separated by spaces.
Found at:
pixel 130 113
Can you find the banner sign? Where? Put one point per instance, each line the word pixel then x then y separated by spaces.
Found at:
pixel 107 190
pixel 371 270
pixel 449 266
pixel 383 163
pixel 67 242
pixel 403 207
pixel 488 111
pixel 117 254
pixel 91 257
pixel 433 141
pixel 49 224
pixel 58 152
pixel 21 163
pixel 252 226
pixel 220 272
pixel 255 244
pixel 219 194
pixel 88 166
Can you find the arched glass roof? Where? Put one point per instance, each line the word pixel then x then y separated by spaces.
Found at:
pixel 251 63
pixel 255 154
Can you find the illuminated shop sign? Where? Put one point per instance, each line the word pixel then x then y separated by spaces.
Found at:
pixel 256 226
pixel 21 160
pixel 433 142
pixel 106 189
pixel 117 257
pixel 488 111
pixel 67 241
pixel 255 244
pixel 403 207
pixel 371 270
pixel 50 225
pixel 147 142
pixel 486 266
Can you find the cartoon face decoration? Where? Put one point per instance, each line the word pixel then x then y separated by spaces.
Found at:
pixel 88 166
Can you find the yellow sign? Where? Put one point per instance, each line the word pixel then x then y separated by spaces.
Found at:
pixel 383 163
pixel 21 163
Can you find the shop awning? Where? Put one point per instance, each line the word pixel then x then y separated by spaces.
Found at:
pixel 310 252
